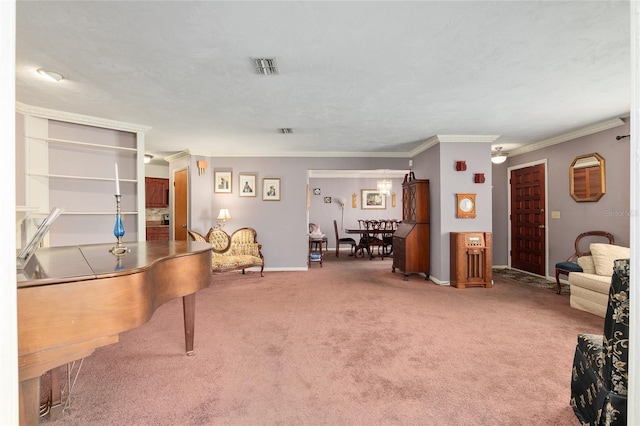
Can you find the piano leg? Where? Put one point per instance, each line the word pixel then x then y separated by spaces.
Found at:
pixel 56 394
pixel 189 308
pixel 30 401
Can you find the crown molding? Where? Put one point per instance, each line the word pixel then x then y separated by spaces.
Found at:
pixel 70 117
pixel 392 174
pixel 307 154
pixel 585 131
pixel 467 138
pixel 434 140
pixel 177 156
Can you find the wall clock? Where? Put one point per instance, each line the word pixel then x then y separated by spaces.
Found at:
pixel 316 191
pixel 466 205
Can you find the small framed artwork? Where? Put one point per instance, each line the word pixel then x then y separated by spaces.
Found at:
pixel 271 189
pixel 373 199
pixel 327 200
pixel 222 182
pixel 247 186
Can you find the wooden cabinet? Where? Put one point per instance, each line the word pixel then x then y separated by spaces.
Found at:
pixel 411 249
pixel 471 259
pixel 156 192
pixel 157 233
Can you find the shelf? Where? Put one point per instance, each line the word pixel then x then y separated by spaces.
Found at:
pixel 23 212
pixel 71 164
pixel 97 213
pixel 86 144
pixel 48 175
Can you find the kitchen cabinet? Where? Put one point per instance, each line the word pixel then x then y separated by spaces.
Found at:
pixel 158 233
pixel 156 192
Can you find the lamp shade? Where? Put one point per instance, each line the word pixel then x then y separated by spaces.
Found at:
pixel 224 214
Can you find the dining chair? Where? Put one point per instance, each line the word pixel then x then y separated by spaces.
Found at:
pixel 374 239
pixel 387 237
pixel 344 240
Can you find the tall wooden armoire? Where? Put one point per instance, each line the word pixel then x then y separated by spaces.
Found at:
pixel 411 251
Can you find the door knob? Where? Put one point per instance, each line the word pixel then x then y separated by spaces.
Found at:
pixel 541 226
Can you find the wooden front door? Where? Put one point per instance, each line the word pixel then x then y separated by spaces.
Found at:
pixel 528 242
pixel 180 181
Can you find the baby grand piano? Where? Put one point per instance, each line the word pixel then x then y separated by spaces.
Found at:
pixel 74 299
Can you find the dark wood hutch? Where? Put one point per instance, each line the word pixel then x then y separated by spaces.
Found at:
pixel 411 241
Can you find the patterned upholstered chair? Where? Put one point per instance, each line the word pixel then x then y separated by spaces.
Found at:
pixel 241 250
pixel 600 365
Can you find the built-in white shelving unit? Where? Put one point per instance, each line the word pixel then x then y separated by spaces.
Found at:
pixel 70 163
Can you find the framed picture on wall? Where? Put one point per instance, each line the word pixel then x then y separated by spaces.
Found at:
pixel 271 189
pixel 222 182
pixel 247 186
pixel 373 199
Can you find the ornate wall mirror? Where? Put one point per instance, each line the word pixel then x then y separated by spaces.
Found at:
pixel 586 178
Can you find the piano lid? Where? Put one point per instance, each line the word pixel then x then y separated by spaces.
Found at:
pixel 55 265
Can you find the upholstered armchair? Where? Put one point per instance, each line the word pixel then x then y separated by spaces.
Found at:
pixel 600 365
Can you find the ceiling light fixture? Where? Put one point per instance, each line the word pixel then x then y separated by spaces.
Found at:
pixel 147 158
pixel 498 157
pixel 384 186
pixel 50 75
pixel 266 66
pixel 285 130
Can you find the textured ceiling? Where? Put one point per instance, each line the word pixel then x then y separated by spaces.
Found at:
pixel 355 77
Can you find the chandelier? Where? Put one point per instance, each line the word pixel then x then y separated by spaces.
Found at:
pixel 384 186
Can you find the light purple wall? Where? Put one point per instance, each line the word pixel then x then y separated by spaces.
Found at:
pixel 276 221
pixel 201 214
pixel 281 225
pixel 323 214
pixel 438 165
pixel 610 213
pixel 426 165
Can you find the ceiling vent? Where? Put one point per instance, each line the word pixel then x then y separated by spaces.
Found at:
pixel 266 66
pixel 285 130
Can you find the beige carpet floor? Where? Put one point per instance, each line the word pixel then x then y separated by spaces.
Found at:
pixel 346 344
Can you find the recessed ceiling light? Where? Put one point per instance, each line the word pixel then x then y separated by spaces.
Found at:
pixel 266 66
pixel 51 75
pixel 285 130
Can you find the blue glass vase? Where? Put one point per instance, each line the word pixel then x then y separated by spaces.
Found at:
pixel 118 229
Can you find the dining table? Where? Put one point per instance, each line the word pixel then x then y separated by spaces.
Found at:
pixel 366 235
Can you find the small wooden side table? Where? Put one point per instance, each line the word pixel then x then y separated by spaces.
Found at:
pixel 318 243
